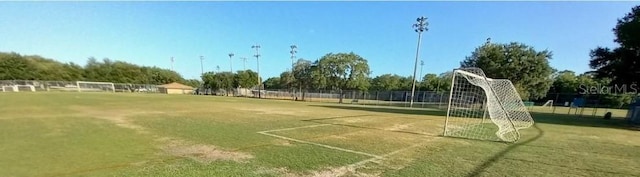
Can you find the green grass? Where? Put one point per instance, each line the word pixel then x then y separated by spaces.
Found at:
pixel 103 134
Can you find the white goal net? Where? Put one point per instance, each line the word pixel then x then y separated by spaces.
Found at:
pixel 84 86
pixel 484 108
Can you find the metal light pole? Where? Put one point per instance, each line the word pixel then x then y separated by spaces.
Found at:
pixel 257 55
pixel 201 65
pixel 244 62
pixel 293 55
pixel 172 64
pixel 420 26
pixel 231 62
pixel 421 66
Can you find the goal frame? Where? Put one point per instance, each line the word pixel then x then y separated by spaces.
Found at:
pixel 487 81
pixel 113 88
pixel 549 104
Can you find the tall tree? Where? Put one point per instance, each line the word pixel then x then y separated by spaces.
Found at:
pixel 302 72
pixel 13 67
pixel 386 82
pixel 218 81
pixel 430 82
pixel 246 79
pixel 272 83
pixel 195 83
pixel 343 71
pixel 528 69
pixel 621 64
pixel 286 79
pixel 565 82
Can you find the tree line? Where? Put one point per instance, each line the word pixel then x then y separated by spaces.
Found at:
pixel 14 66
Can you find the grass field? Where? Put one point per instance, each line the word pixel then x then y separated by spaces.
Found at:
pixel 98 134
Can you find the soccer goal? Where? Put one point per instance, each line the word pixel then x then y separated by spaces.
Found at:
pixel 84 86
pixel 484 108
pixel 548 104
pixel 11 88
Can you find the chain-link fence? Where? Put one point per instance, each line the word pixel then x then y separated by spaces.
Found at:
pixel 554 103
pixel 422 99
pixel 73 86
pixel 584 105
pixel 594 105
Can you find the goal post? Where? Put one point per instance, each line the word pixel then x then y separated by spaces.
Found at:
pixel 549 104
pixel 474 98
pixel 86 86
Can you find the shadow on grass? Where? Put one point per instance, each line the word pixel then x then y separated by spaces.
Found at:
pixel 545 118
pixel 381 109
pixel 322 121
pixel 563 119
pixel 479 169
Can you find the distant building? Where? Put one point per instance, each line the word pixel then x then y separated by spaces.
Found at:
pixel 175 88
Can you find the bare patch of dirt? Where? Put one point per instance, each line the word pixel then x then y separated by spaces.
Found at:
pixel 271 111
pixel 354 120
pixel 281 142
pixel 120 117
pixel 279 171
pixel 340 171
pixel 397 127
pixel 201 152
pixel 337 137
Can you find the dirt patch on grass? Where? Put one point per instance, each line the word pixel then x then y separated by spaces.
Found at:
pixel 281 142
pixel 200 152
pixel 340 171
pixel 120 118
pixel 397 127
pixel 271 111
pixel 354 120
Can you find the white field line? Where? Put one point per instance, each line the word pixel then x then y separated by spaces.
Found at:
pixel 293 128
pixel 357 164
pixel 321 145
pixel 350 167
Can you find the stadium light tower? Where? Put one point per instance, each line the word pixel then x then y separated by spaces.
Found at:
pixel 293 55
pixel 244 62
pixel 257 55
pixel 172 64
pixel 420 26
pixel 201 65
pixel 231 62
pixel 421 66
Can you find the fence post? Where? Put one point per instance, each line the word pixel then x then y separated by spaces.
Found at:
pixel 440 102
pixel 555 101
pixel 390 97
pixel 405 98
pixel 423 94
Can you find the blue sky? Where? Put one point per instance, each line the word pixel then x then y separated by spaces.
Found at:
pixel 149 33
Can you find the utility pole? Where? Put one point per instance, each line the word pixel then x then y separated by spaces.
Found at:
pixel 231 62
pixel 257 55
pixel 420 26
pixel 201 65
